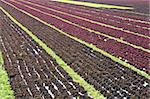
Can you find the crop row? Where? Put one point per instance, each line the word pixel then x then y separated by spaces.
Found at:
pixel 140 7
pixel 112 12
pixel 32 72
pixel 131 38
pixel 115 21
pixel 134 56
pixel 103 18
pixel 91 65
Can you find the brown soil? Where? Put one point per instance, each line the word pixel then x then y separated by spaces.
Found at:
pixel 111 78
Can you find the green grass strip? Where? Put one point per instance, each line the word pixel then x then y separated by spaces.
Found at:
pixel 138 71
pixel 77 78
pixel 5 88
pixel 96 5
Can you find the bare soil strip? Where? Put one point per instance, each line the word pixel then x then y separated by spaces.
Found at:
pixel 113 79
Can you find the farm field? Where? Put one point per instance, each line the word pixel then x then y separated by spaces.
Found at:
pixel 140 6
pixel 56 50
